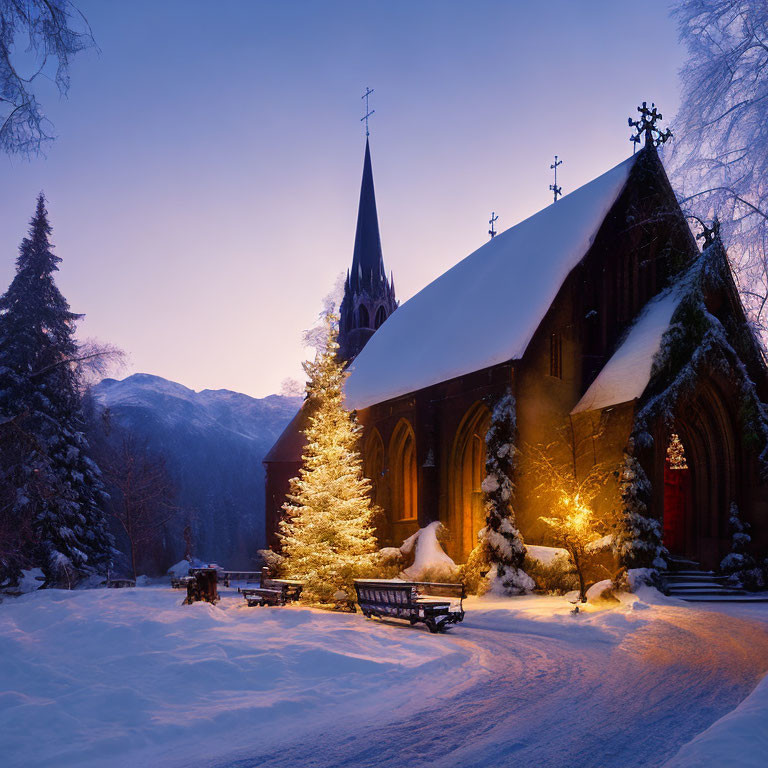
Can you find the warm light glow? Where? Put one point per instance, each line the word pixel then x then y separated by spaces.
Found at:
pixel 676 453
pixel 578 516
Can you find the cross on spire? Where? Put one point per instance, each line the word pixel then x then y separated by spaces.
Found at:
pixel 368 112
pixel 709 234
pixel 646 125
pixel 553 187
pixel 494 218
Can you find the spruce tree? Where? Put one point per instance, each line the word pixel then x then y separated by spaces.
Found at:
pixel 740 567
pixel 638 540
pixel 501 545
pixel 328 537
pixel 58 489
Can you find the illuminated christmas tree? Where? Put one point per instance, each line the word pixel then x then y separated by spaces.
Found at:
pixel 327 537
pixel 676 453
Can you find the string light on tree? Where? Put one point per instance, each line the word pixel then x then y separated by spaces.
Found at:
pixel 676 453
pixel 327 537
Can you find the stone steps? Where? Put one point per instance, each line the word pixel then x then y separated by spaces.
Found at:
pixel 687 581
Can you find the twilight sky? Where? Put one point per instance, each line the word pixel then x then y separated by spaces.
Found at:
pixel 203 186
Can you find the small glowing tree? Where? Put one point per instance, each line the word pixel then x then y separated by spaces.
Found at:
pixel 328 537
pixel 573 524
pixel 574 528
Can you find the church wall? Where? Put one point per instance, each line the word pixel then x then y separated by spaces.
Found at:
pixel 435 413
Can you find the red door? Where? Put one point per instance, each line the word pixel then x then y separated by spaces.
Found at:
pixel 676 507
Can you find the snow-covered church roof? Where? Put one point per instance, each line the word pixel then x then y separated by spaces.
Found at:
pixel 627 373
pixel 485 309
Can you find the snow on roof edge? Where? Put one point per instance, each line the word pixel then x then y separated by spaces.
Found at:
pixel 627 373
pixel 508 285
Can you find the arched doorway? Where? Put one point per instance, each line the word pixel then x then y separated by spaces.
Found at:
pixel 404 475
pixel 697 499
pixel 467 516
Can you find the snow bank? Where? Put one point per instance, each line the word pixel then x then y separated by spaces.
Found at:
pixel 430 561
pixel 131 677
pixel 485 309
pixel 30 580
pixel 738 740
pixel 602 592
pixel 627 373
pixel 546 555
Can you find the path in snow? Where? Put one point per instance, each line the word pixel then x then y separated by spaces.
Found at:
pixel 564 698
pixel 130 678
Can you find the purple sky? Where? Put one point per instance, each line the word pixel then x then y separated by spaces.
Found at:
pixel 203 187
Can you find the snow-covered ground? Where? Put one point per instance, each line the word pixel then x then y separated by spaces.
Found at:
pixel 130 677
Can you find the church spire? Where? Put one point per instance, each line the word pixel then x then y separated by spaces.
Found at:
pixel 369 298
pixel 367 259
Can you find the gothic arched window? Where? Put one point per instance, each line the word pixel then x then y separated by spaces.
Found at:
pixel 404 472
pixel 381 316
pixel 363 319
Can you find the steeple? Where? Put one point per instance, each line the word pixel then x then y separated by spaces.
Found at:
pixel 369 299
pixel 367 259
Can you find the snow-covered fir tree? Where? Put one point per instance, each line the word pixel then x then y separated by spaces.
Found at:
pixel 501 550
pixel 58 489
pixel 327 537
pixel 739 565
pixel 638 540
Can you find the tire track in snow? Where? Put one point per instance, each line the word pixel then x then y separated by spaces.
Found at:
pixel 623 702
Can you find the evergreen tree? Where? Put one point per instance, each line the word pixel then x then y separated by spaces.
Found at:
pixel 58 489
pixel 740 567
pixel 638 541
pixel 327 537
pixel 501 548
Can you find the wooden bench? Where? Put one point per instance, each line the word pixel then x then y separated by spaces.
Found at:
pixel 413 601
pixel 120 583
pixel 248 576
pixel 272 591
pixel 258 596
pixel 180 582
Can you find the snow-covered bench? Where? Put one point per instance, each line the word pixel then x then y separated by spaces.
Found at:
pixel 436 605
pixel 272 591
pixel 120 583
pixel 259 596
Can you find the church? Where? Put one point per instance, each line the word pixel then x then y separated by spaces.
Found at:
pixel 614 332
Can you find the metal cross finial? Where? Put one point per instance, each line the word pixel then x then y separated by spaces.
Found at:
pixel 368 112
pixel 646 125
pixel 553 187
pixel 494 218
pixel 709 234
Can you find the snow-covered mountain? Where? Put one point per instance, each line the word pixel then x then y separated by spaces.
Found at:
pixel 213 442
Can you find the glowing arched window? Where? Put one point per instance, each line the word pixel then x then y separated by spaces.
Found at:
pixel 363 319
pixel 404 472
pixel 381 316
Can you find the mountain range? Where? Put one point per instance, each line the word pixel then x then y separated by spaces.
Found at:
pixel 213 443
